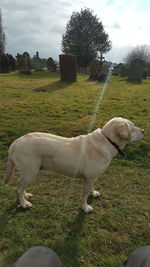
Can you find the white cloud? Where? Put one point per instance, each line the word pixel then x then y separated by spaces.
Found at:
pixel 38 25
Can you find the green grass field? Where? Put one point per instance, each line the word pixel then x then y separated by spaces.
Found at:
pixel 121 219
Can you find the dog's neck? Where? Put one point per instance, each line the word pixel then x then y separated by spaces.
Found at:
pixel 113 144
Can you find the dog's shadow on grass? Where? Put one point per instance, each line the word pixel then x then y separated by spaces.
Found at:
pixel 10 213
pixel 70 249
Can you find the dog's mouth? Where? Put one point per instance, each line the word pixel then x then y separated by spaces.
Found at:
pixel 137 135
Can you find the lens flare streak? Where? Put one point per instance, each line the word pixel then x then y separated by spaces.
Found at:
pixel 100 98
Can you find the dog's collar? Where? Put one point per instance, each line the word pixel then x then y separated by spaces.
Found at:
pixel 115 145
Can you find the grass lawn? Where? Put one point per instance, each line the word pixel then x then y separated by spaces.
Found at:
pixel 121 219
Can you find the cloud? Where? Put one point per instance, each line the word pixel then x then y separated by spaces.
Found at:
pixel 31 27
pixel 118 54
pixel 18 5
pixel 116 25
pixel 110 2
pixel 58 29
pixel 38 25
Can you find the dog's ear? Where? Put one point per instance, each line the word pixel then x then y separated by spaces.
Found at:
pixel 123 132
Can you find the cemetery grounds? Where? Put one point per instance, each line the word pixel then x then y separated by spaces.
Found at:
pixel 121 218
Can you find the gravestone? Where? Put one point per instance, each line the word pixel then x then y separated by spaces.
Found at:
pixel 101 57
pixel 94 70
pixel 116 70
pixel 145 73
pixel 87 70
pixel 123 71
pixel 4 63
pixel 18 58
pixel 104 72
pixel 148 69
pixel 37 62
pixel 0 62
pixel 136 69
pixel 44 63
pixel 68 72
pixel 25 64
pixel 99 69
pixel 12 63
pixel 51 64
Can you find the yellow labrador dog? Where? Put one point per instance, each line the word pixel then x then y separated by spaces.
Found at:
pixel 84 156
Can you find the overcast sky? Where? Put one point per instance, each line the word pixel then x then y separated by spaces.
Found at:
pixel 38 25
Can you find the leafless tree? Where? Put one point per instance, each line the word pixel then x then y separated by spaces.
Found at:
pixel 138 53
pixel 2 36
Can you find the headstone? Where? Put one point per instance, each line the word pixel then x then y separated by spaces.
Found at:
pixel 94 70
pixel 99 70
pixel 68 71
pixel 18 59
pixel 39 256
pixel 148 69
pixel 12 63
pixel 37 62
pixel 136 69
pixel 25 63
pixel 4 63
pixel 101 57
pixel 51 64
pixel 123 71
pixel 145 73
pixel 44 63
pixel 104 72
pixel 0 62
pixel 87 70
pixel 120 70
pixel 116 70
pixel 37 55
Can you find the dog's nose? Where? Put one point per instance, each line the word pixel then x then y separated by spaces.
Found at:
pixel 142 131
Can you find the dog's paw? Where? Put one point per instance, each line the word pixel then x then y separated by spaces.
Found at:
pixel 87 208
pixel 95 194
pixel 26 205
pixel 27 195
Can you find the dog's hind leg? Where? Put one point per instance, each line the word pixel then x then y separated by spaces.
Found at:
pixel 25 180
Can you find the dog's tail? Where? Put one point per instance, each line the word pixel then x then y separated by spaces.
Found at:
pixel 10 164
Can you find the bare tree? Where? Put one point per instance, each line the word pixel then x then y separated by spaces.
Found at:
pixel 141 53
pixel 2 36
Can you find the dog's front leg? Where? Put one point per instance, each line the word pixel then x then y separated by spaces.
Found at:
pixel 87 188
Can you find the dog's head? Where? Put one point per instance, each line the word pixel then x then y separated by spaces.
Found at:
pixel 122 131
